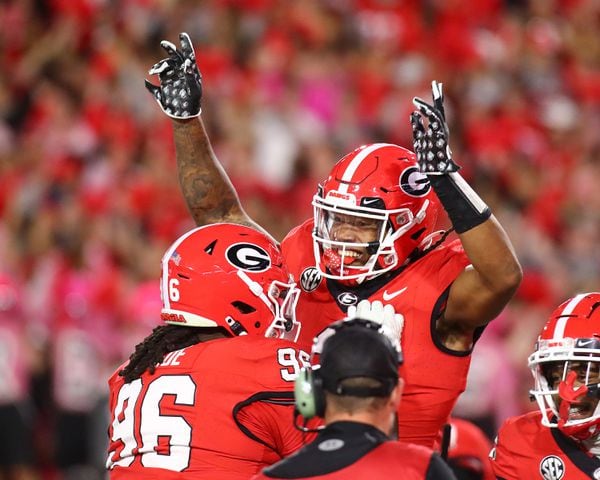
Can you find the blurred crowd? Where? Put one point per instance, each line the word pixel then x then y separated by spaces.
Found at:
pixel 89 196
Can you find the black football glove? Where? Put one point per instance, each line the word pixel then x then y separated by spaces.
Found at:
pixel 464 207
pixel 180 87
pixel 431 144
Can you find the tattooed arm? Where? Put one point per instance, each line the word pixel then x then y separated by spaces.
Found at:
pixel 208 192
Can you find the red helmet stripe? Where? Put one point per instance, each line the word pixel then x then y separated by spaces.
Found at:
pixel 559 330
pixel 355 163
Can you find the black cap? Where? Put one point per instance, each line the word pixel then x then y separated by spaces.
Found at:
pixel 358 349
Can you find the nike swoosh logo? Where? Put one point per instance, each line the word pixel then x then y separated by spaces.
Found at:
pixel 389 296
pixel 583 343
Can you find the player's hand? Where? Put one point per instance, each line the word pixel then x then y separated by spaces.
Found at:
pixel 385 315
pixel 431 143
pixel 180 88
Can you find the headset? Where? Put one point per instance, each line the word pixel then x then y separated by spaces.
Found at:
pixel 309 392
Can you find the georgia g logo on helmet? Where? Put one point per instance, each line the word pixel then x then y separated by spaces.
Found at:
pixel 249 257
pixel 414 183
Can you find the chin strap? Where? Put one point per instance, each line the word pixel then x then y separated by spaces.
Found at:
pixel 568 394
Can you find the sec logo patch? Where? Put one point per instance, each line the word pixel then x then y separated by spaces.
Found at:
pixel 310 279
pixel 552 468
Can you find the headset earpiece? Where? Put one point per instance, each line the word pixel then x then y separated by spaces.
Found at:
pixel 308 393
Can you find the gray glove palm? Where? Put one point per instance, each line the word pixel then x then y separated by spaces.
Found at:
pixel 180 88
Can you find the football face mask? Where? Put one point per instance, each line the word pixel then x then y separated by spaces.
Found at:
pixel 374 210
pixel 566 368
pixel 569 389
pixel 283 298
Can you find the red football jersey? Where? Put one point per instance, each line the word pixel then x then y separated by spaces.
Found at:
pixel 526 449
pixel 434 376
pixel 388 460
pixel 180 422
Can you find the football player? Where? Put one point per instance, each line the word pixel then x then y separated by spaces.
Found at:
pixel 562 439
pixel 373 237
pixel 209 393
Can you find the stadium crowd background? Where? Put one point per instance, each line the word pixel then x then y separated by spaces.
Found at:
pixel 89 197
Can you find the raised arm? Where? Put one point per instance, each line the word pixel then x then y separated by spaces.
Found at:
pixel 209 194
pixel 480 292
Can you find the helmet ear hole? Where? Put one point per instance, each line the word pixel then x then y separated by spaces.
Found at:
pixel 243 307
pixel 417 234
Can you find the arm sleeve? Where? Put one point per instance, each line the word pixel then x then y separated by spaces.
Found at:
pixel 438 469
